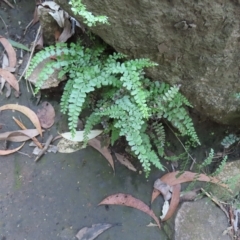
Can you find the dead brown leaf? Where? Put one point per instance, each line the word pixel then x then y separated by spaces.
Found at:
pixel 46 115
pixel 95 143
pixel 174 201
pixel 124 161
pixel 7 152
pixel 164 188
pixel 174 178
pixel 67 146
pixel 92 232
pixel 19 135
pixel 27 111
pixel 66 33
pixel 35 16
pixel 129 201
pixel 5 62
pixel 2 81
pixel 10 51
pixel 39 43
pixel 8 93
pixel 10 78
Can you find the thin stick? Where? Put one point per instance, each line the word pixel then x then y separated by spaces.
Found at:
pixel 27 27
pixel 9 4
pixel 31 54
pixel 24 128
pixel 216 201
pixel 4 24
pixel 24 154
pixel 181 143
pixel 45 148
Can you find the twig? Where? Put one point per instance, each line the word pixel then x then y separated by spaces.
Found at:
pixel 31 54
pixel 4 24
pixel 181 143
pixel 27 27
pixel 216 201
pixel 24 154
pixel 24 128
pixel 9 4
pixel 45 148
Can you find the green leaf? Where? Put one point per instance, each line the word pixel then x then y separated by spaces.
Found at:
pixel 18 45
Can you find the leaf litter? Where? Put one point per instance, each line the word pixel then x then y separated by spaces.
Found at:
pixel 174 179
pixel 10 151
pixel 95 143
pixel 124 161
pixel 78 137
pixel 26 111
pixel 19 135
pixel 10 51
pixel 46 115
pixel 90 233
pixel 67 146
pixel 129 201
pixel 10 78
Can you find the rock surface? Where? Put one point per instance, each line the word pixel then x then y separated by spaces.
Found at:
pixel 195 43
pixel 200 220
pixel 231 175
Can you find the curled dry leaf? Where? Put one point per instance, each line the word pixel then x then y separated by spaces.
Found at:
pixel 174 202
pixel 5 62
pixel 19 135
pixel 7 152
pixel 35 16
pixel 10 78
pixel 46 115
pixel 163 188
pixel 165 209
pixel 2 81
pixel 124 161
pixel 67 31
pixel 27 111
pixel 93 231
pixel 79 135
pixel 174 178
pixel 95 143
pixel 10 51
pixel 129 201
pixel 8 92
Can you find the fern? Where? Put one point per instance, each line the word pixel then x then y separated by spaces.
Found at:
pixel 221 166
pixel 168 103
pixel 127 99
pixel 157 134
pixel 207 161
pixel 79 8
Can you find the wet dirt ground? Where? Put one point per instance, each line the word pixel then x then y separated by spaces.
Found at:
pixel 56 197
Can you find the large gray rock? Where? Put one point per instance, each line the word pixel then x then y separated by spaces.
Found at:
pixel 200 220
pixel 196 43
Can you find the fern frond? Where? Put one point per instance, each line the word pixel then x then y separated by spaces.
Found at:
pixel 65 96
pixel 157 134
pixel 207 161
pixel 92 120
pixel 220 167
pixel 79 8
